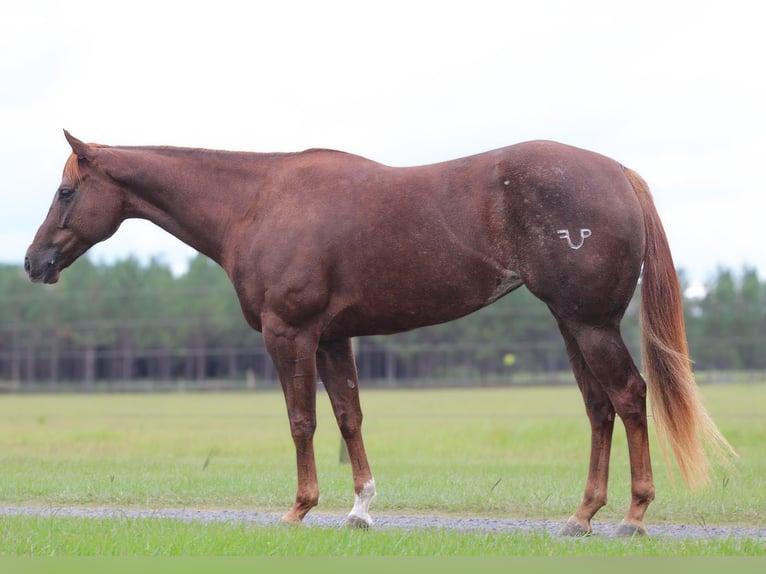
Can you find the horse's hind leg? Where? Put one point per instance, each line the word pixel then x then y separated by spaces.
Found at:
pixel 335 361
pixel 608 359
pixel 601 416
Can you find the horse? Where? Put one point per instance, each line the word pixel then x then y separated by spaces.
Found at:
pixel 323 246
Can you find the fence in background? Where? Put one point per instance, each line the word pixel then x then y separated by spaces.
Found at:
pixel 390 364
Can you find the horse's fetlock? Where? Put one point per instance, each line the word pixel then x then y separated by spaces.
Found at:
pixel 595 501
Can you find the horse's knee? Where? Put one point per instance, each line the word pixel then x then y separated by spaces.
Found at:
pixel 349 424
pixel 303 429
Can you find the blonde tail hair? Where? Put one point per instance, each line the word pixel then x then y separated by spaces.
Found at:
pixel 680 418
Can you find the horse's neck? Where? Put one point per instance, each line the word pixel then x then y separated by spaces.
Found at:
pixel 193 195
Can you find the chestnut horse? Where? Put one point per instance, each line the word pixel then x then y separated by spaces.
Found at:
pixel 322 246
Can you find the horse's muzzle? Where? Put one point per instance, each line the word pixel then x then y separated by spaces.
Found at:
pixel 42 267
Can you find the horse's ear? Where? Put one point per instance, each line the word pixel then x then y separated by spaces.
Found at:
pixel 80 149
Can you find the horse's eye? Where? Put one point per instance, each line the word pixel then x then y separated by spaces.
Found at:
pixel 66 192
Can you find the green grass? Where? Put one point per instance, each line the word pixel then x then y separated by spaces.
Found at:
pixel 45 536
pixel 518 453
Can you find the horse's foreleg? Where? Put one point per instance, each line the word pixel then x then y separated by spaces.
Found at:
pixel 601 416
pixel 294 356
pixel 335 361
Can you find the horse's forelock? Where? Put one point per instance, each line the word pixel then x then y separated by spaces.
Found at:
pixel 72 170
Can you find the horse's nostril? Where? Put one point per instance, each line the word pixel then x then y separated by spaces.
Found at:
pixel 27 264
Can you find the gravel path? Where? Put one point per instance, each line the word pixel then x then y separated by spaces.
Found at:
pixel 320 520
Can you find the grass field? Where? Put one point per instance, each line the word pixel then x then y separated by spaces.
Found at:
pixel 518 453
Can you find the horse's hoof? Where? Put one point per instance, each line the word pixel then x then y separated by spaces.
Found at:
pixel 575 529
pixel 361 522
pixel 291 520
pixel 629 529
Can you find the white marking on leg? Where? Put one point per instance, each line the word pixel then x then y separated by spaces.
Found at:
pixel 360 514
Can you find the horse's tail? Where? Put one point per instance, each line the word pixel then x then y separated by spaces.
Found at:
pixel 679 415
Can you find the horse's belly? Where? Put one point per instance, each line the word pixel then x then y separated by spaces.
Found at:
pixel 384 305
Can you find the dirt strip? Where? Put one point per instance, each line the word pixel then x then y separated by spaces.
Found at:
pixel 321 520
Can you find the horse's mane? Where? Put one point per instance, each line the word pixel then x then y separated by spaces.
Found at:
pixel 73 173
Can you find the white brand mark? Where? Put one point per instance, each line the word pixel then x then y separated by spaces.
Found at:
pixel 584 234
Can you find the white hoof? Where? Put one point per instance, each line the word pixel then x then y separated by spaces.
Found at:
pixel 359 517
pixel 362 522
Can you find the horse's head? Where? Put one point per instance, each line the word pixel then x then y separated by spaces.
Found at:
pixel 87 208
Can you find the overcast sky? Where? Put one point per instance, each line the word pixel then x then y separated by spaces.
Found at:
pixel 674 89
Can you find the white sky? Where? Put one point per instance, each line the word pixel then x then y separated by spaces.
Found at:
pixel 673 89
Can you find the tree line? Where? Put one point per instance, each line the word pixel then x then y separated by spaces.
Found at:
pixel 129 323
